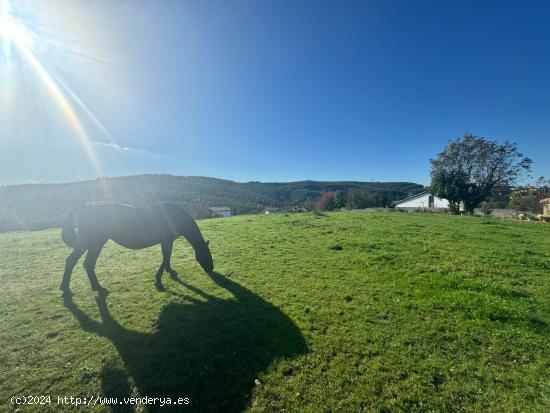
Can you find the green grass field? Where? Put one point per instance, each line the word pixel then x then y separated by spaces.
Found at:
pixel 343 312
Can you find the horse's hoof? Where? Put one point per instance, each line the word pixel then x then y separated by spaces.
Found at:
pixel 159 286
pixel 101 290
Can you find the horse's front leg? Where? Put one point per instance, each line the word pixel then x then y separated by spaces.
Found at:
pixel 166 247
pixel 158 276
pixel 166 256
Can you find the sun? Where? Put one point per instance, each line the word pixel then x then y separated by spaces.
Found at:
pixel 13 32
pixel 17 36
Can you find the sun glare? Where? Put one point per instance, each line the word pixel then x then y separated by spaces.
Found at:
pixel 13 31
pixel 18 39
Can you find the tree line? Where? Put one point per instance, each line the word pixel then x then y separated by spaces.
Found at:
pixel 356 198
pixel 40 206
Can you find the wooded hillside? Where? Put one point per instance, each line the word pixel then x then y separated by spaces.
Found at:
pixel 39 206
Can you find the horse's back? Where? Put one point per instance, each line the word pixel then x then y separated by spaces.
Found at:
pixel 129 226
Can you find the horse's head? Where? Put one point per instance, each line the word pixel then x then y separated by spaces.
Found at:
pixel 203 256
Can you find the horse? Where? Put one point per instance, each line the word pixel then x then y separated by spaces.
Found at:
pixel 88 227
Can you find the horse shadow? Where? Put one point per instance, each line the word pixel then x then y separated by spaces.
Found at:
pixel 209 351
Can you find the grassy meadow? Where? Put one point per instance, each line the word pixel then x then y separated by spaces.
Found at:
pixel 342 312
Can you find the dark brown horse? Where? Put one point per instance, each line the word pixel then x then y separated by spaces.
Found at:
pixel 89 227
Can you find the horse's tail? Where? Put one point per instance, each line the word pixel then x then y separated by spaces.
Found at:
pixel 68 231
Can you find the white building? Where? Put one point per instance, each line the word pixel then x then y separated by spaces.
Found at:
pixel 423 200
pixel 222 212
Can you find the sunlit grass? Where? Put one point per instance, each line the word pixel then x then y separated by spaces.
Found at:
pixel 411 313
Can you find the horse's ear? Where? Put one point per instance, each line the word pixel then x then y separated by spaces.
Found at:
pixel 207 242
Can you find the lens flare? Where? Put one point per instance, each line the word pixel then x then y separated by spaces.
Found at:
pixel 17 37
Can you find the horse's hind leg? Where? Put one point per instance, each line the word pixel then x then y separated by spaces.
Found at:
pixel 70 262
pixel 89 265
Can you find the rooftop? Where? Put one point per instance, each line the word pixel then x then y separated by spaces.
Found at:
pixel 411 197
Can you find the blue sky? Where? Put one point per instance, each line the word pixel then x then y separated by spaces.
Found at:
pixel 269 90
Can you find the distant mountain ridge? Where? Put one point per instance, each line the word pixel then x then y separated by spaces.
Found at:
pixel 37 206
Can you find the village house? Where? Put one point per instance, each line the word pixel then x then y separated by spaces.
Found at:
pixel 423 200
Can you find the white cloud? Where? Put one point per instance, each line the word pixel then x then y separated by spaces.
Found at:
pixel 115 146
pixel 128 149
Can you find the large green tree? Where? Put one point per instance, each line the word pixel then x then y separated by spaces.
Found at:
pixel 470 169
